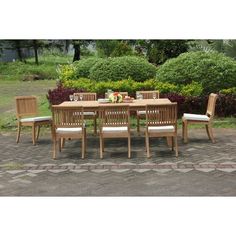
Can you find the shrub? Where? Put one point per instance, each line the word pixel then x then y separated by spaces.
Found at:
pixel 82 67
pixel 119 68
pixel 228 91
pixel 193 89
pixel 60 94
pixel 66 72
pixel 213 70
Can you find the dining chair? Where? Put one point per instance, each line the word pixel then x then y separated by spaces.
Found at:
pixel 145 95
pixel 68 123
pixel 89 115
pixel 26 113
pixel 206 119
pixel 161 121
pixel 114 123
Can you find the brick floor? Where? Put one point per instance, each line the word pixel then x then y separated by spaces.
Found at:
pixel 202 169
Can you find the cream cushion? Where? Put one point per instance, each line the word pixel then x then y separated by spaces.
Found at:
pixel 68 130
pixel 86 113
pixel 114 129
pixel 188 116
pixel 160 129
pixel 34 119
pixel 141 112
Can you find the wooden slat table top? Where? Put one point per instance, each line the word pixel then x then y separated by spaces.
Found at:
pixel 136 104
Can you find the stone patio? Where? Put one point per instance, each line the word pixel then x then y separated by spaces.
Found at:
pixel 202 169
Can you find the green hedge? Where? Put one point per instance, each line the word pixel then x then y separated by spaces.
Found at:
pixel 119 68
pixel 127 85
pixel 82 67
pixel 213 70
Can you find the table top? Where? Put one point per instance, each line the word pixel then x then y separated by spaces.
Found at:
pixel 134 104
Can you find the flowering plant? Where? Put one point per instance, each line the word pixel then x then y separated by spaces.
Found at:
pixel 115 97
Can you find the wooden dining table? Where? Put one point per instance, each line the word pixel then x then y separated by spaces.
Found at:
pixel 135 105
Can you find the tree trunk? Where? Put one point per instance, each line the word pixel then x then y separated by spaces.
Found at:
pixel 18 50
pixel 77 52
pixel 35 46
pixel 67 44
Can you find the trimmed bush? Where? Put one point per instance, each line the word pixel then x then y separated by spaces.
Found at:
pixel 228 91
pixel 193 89
pixel 82 67
pixel 127 85
pixel 120 68
pixel 213 70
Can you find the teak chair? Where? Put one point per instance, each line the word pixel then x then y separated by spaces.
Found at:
pixel 206 119
pixel 89 114
pixel 114 123
pixel 68 122
pixel 161 121
pixel 26 113
pixel 146 95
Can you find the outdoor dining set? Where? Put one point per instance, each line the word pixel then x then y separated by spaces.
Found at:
pixel 111 118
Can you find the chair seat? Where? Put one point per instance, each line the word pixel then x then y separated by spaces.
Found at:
pixel 188 116
pixel 68 130
pixel 141 112
pixel 89 113
pixel 114 129
pixel 160 129
pixel 35 119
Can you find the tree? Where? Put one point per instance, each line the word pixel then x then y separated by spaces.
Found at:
pixel 158 51
pixel 78 44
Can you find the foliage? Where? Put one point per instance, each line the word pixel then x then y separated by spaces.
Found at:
pixel 122 49
pixel 119 68
pixel 228 91
pixel 60 94
pixel 213 70
pixel 106 47
pixel 127 85
pixel 158 51
pixel 193 89
pixel 82 67
pixel 66 72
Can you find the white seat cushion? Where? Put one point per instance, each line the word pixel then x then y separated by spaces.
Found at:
pixel 114 129
pixel 33 119
pixel 89 113
pixel 188 116
pixel 160 129
pixel 141 112
pixel 86 113
pixel 68 130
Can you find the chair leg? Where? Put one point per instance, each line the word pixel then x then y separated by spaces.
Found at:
pixel 147 145
pixel 33 133
pixel 138 124
pixel 18 132
pixel 54 148
pixel 172 143
pixel 101 147
pixel 176 147
pixel 38 131
pixel 85 141
pixel 95 126
pixel 83 147
pixel 185 125
pixel 211 133
pixel 129 147
pixel 60 144
pixel 63 140
pixel 182 129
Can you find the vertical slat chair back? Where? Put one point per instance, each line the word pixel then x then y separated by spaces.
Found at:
pixel 211 105
pixel 26 106
pixel 67 117
pixel 114 115
pixel 161 115
pixel 149 94
pixel 87 96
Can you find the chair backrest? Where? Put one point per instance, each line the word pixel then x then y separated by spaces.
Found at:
pixel 211 105
pixel 161 115
pixel 26 106
pixel 67 117
pixel 114 115
pixel 148 94
pixel 87 96
pixel 123 94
